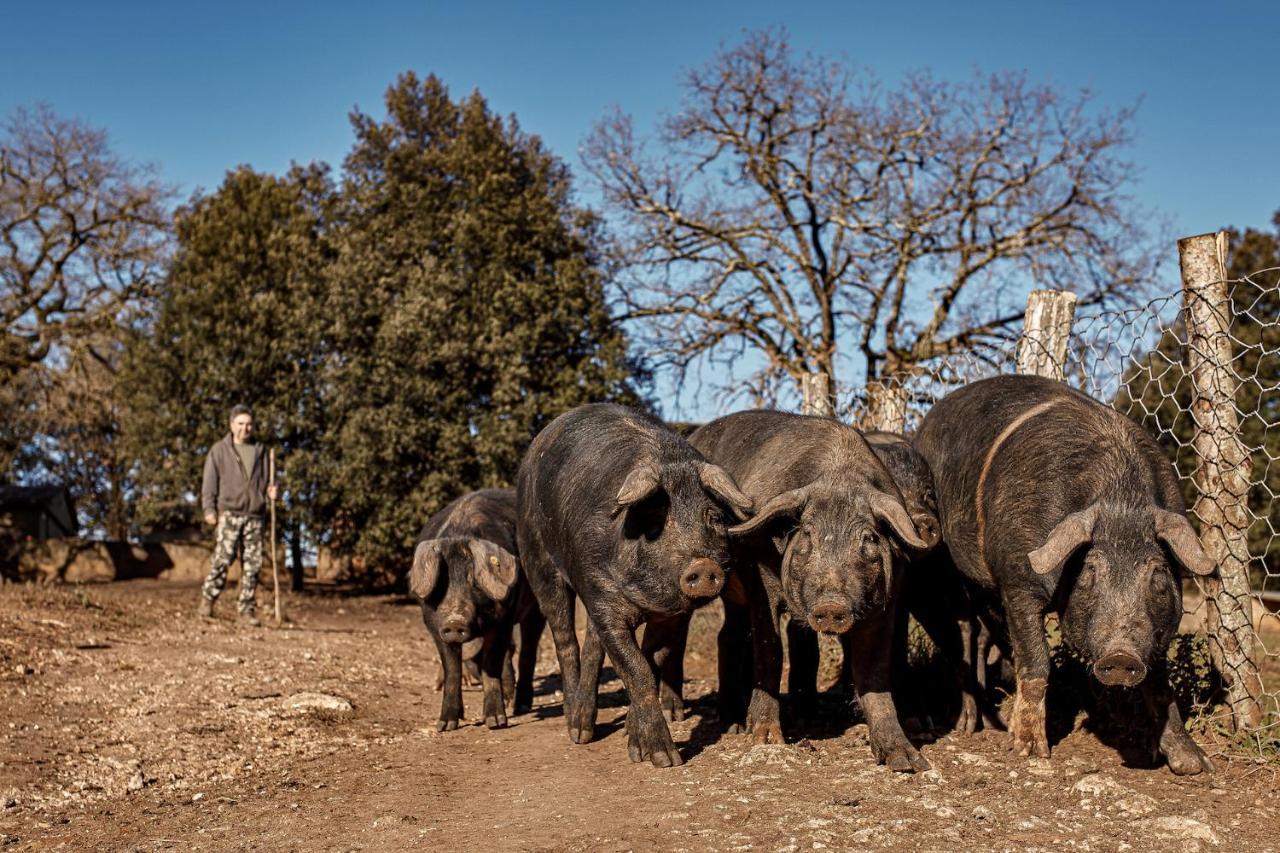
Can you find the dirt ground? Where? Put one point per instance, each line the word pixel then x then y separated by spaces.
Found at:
pixel 126 723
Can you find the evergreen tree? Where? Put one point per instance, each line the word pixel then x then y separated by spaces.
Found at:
pixel 239 321
pixel 1157 390
pixel 468 310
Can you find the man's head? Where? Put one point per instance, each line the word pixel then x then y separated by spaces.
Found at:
pixel 241 423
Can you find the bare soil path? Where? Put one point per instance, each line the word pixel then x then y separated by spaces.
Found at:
pixel 126 723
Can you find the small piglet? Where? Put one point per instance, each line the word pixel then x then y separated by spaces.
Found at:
pixel 1051 501
pixel 618 509
pixel 466 575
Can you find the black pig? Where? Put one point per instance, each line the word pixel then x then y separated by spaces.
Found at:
pixel 466 575
pixel 618 509
pixel 821 545
pixel 1051 501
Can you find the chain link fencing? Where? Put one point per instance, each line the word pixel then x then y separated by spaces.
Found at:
pixel 1200 371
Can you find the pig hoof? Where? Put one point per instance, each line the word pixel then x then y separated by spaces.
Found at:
pixel 900 757
pixel 770 732
pixel 673 715
pixel 446 725
pixel 666 758
pixel 582 735
pixel 498 722
pixel 1188 760
pixel 1036 745
pixel 734 728
pixel 521 707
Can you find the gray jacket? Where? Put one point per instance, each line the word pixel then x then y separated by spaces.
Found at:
pixel 228 487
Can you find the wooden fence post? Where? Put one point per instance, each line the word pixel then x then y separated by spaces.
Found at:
pixel 886 406
pixel 1046 331
pixel 1222 477
pixel 816 391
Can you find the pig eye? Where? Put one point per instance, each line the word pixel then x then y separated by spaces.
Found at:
pixel 1160 580
pixel 802 544
pixel 713 518
pixel 870 539
pixel 1087 575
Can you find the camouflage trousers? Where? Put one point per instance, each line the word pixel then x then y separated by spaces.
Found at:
pixel 245 531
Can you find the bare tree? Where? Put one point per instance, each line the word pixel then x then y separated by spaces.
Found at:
pixel 795 208
pixel 81 234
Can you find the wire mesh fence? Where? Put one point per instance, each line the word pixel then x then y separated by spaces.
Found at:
pixel 1200 370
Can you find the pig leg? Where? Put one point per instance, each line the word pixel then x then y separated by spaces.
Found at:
pixel 647 732
pixel 734 666
pixel 664 645
pixel 494 656
pixel 530 635
pixel 557 603
pixel 802 669
pixel 764 717
pixel 871 647
pixel 451 701
pixel 1185 758
pixel 582 717
pixel 1031 655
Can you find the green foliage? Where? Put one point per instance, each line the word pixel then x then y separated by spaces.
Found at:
pixel 239 321
pixel 1157 391
pixel 468 310
pixel 401 336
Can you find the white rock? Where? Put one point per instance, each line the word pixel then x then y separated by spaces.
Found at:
pixel 1113 795
pixel 310 703
pixel 1173 827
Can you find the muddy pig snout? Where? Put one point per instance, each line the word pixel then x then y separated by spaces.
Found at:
pixel 455 629
pixel 927 527
pixel 1120 669
pixel 703 579
pixel 831 616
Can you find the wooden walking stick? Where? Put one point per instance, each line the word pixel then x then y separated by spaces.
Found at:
pixel 275 571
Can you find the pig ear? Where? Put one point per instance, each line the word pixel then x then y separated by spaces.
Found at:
pixel 642 482
pixel 1072 532
pixel 889 510
pixel 786 505
pixel 1173 529
pixel 426 568
pixel 495 568
pixel 717 481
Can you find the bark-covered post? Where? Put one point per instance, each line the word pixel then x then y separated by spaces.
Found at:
pixel 1222 476
pixel 815 389
pixel 886 405
pixel 1046 331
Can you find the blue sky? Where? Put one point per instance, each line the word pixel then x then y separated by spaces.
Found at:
pixel 200 89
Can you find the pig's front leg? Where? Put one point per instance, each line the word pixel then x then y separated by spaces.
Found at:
pixel 1031 659
pixel 1184 757
pixel 451 699
pixel 493 656
pixel 764 716
pixel 871 654
pixel 647 732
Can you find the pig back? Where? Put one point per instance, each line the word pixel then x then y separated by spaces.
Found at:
pixel 488 514
pixel 768 453
pixel 1012 456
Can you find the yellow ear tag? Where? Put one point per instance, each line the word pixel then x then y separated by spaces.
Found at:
pixel 493 560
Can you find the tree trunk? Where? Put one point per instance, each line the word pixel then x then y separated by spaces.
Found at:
pixel 295 553
pixel 1223 476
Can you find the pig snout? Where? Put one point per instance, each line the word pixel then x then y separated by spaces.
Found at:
pixel 928 528
pixel 831 616
pixel 455 629
pixel 703 579
pixel 1120 669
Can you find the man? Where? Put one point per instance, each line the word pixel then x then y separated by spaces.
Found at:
pixel 234 497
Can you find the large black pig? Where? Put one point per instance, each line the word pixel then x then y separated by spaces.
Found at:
pixel 468 580
pixel 1051 501
pixel 821 546
pixel 619 510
